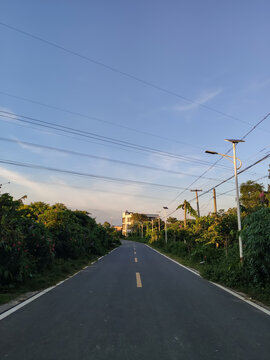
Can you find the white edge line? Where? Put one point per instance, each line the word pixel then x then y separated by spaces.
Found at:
pixel 32 298
pixel 176 262
pixel 218 285
pixel 242 298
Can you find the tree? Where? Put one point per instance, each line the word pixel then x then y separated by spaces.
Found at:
pixel 256 240
pixel 189 208
pixel 171 220
pixel 250 194
pixel 137 221
pixel 107 224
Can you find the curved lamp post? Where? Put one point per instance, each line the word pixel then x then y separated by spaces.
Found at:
pixel 234 142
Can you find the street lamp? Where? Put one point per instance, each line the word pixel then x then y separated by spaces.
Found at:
pixel 165 208
pixel 234 142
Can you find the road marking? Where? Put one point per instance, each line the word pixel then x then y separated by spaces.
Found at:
pixel 259 307
pixel 134 252
pixel 138 279
pixel 176 262
pixel 136 260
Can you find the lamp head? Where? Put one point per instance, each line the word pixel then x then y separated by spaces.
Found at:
pixel 211 152
pixel 234 141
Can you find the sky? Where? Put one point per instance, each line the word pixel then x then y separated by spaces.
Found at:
pixel 109 106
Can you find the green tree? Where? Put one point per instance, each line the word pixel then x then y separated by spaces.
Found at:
pixel 256 240
pixel 250 195
pixel 171 220
pixel 106 224
pixel 189 208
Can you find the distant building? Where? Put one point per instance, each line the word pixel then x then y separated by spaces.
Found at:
pixel 127 221
pixel 118 228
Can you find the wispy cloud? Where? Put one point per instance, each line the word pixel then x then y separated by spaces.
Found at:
pixel 204 97
pixel 258 85
pixel 11 116
pixel 33 149
pixel 105 201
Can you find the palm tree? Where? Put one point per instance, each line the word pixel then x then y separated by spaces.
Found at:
pixel 187 208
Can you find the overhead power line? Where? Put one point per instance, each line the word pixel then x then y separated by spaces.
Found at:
pixel 75 153
pixel 217 161
pixel 84 116
pixel 121 72
pixel 228 191
pixel 99 177
pixel 87 134
pixel 231 177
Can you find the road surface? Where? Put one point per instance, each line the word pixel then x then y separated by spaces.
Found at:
pixel 135 304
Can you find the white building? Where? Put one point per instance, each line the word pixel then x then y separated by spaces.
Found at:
pixel 127 221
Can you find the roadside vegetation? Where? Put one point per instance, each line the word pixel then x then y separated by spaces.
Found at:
pixel 42 244
pixel 209 244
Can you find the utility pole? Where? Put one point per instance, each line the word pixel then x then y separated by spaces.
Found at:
pixel 159 224
pixel 152 225
pixel 165 208
pixel 142 230
pixel 185 214
pixel 197 199
pixel 215 200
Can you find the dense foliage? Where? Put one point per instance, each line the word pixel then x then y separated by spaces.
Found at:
pixel 33 236
pixel 256 236
pixel 210 243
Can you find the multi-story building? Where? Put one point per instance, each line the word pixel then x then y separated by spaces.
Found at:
pixel 127 221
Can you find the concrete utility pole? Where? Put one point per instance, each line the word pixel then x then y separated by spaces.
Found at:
pixel 215 200
pixel 185 214
pixel 197 199
pixel 165 208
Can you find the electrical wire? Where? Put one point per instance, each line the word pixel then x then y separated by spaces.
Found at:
pixel 75 153
pixel 122 126
pixel 100 177
pixel 221 157
pixel 231 177
pixel 87 134
pixel 121 72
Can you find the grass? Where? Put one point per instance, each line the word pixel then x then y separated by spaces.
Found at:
pixel 59 270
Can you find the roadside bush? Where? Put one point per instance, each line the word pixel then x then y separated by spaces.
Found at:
pixel 256 241
pixel 32 236
pixel 226 269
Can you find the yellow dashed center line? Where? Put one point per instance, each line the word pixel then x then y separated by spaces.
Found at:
pixel 136 260
pixel 138 279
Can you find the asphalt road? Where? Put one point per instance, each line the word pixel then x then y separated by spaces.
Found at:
pixel 150 309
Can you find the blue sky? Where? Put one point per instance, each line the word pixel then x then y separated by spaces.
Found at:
pixel 215 54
